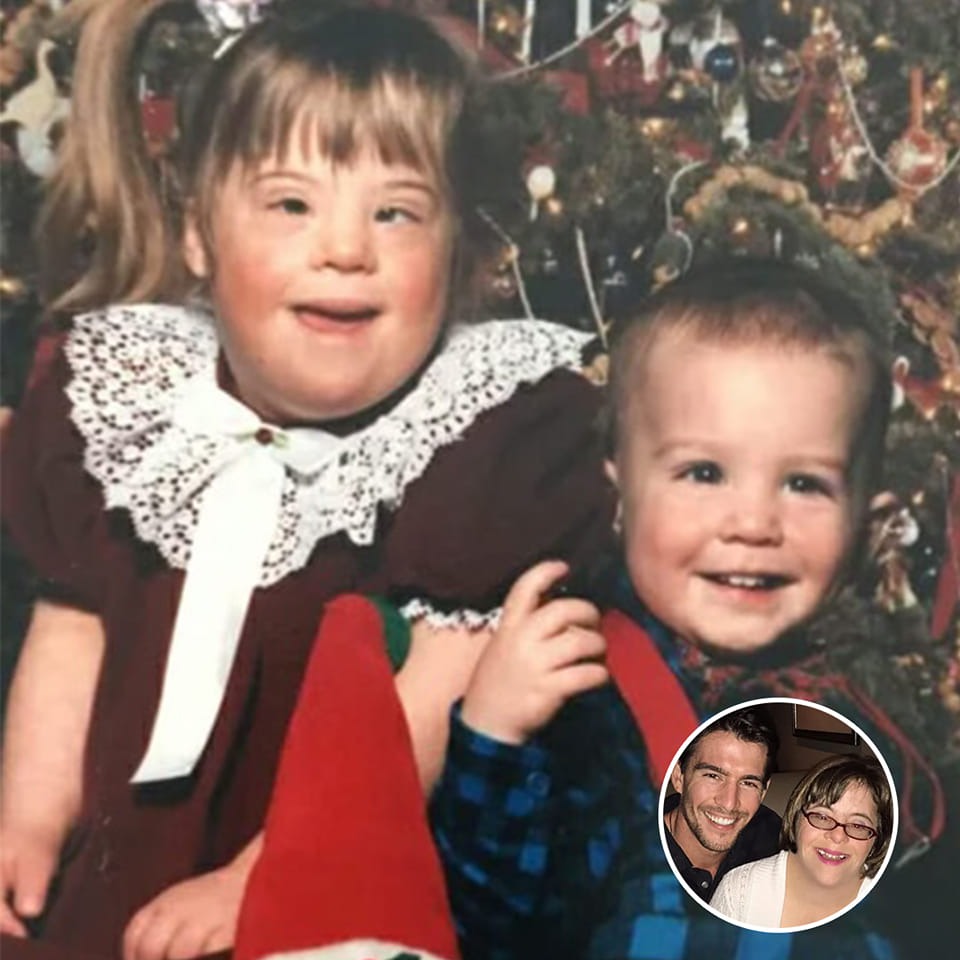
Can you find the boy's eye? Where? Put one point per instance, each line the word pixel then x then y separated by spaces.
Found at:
pixel 703 471
pixel 808 483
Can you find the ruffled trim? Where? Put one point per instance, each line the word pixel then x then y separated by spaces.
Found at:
pixel 133 365
pixel 420 609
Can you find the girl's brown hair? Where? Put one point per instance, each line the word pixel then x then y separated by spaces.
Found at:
pixel 825 783
pixel 345 78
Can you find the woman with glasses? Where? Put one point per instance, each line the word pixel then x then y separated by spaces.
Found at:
pixel 836 830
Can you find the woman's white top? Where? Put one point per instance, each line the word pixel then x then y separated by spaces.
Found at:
pixel 754 893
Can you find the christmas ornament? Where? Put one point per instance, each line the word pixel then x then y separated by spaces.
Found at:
pixel 37 110
pixel 503 281
pixel 838 154
pixel 893 529
pixel 853 64
pixel 644 31
pixel 672 255
pixel 711 31
pixel 226 17
pixel 736 124
pixel 776 74
pixel 541 182
pixel 722 63
pixel 917 159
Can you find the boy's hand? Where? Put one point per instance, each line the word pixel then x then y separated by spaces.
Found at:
pixel 191 918
pixel 541 656
pixel 28 859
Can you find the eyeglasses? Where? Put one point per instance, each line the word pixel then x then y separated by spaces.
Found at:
pixel 856 831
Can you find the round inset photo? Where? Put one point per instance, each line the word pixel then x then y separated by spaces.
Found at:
pixel 778 815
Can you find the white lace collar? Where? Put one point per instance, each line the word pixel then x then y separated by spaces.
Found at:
pixel 138 371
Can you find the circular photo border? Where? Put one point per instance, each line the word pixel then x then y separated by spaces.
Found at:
pixel 797 702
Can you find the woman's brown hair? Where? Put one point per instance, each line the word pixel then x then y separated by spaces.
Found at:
pixel 825 783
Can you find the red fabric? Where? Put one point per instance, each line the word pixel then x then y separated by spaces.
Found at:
pixel 656 699
pixel 347 848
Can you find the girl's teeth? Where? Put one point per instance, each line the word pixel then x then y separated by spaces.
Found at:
pixel 835 857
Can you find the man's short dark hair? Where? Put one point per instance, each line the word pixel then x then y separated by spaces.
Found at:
pixel 750 724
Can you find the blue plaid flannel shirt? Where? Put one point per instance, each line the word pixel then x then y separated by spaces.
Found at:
pixel 552 850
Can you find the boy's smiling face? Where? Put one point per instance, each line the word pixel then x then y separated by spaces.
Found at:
pixel 732 468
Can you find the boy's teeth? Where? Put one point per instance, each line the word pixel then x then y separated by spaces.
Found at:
pixel 746 581
pixel 721 821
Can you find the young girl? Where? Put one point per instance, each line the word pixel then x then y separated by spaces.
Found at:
pixel 192 480
pixel 748 405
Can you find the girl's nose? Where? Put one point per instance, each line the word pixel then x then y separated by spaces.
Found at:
pixel 343 241
pixel 837 834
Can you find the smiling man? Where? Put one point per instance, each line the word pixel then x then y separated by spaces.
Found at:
pixel 716 820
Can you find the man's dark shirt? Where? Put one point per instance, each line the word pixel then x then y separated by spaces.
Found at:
pixel 758 839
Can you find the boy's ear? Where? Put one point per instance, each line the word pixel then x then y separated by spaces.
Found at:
pixel 676 778
pixel 194 249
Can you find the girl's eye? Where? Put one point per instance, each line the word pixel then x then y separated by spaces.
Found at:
pixel 291 205
pixel 809 483
pixel 703 471
pixel 396 215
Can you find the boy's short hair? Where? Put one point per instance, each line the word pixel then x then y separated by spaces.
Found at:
pixel 750 724
pixel 764 301
pixel 825 784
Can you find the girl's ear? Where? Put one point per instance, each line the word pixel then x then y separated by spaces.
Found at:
pixel 194 249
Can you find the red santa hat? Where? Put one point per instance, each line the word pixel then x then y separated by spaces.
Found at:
pixel 348 869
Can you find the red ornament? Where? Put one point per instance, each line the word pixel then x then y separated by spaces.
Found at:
pixel 918 158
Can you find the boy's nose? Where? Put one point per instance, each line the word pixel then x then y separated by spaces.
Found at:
pixel 753 517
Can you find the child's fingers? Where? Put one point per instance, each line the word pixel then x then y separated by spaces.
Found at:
pixel 9 922
pixel 34 868
pixel 526 594
pixel 559 615
pixel 149 934
pixel 574 645
pixel 579 678
pixel 193 940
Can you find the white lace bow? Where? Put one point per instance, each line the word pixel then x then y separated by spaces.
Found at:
pixel 240 503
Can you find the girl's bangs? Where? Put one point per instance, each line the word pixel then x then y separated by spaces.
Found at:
pixel 319 114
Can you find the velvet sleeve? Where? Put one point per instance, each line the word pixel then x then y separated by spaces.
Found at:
pixel 524 483
pixel 52 509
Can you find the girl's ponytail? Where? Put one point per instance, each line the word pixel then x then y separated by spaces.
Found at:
pixel 109 229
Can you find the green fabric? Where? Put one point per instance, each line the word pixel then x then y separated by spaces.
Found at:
pixel 396 632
